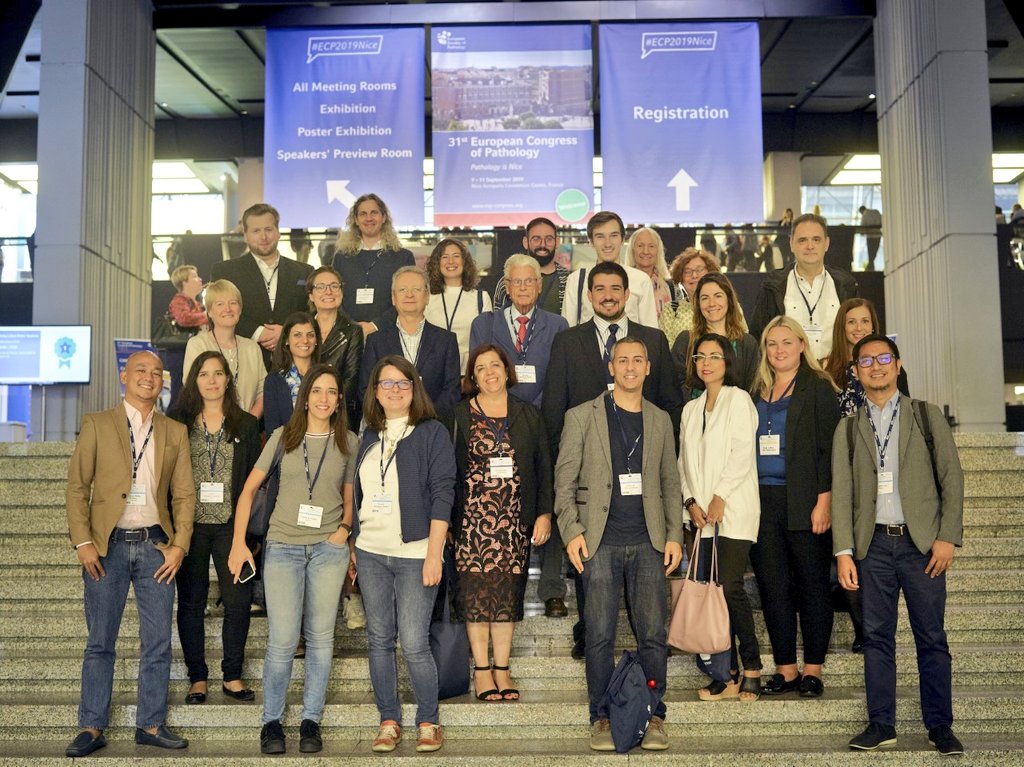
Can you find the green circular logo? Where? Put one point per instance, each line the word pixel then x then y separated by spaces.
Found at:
pixel 572 205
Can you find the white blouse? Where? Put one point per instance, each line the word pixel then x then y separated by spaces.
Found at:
pixel 454 310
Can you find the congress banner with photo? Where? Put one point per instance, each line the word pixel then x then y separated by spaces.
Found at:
pixel 344 116
pixel 681 122
pixel 513 124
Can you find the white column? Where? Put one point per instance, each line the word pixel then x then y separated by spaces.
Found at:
pixel 935 137
pixel 95 150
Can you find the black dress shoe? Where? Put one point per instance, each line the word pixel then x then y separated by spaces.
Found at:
pixel 310 741
pixel 857 646
pixel 555 608
pixel 272 738
pixel 244 694
pixel 162 738
pixel 84 744
pixel 192 698
pixel 811 687
pixel 777 685
pixel 579 650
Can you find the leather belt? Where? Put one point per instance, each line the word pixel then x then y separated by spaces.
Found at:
pixel 138 534
pixel 894 531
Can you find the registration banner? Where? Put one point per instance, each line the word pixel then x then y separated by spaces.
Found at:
pixel 344 116
pixel 513 124
pixel 681 122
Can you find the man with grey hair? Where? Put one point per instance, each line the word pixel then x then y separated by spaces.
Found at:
pixel 433 350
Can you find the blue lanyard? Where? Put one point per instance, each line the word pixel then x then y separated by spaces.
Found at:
pixel 498 426
pixel 385 466
pixel 622 430
pixel 212 453
pixel 768 402
pixel 137 461
pixel 305 460
pixel 530 326
pixel 882 447
pixel 449 321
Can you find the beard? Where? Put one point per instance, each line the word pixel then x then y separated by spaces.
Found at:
pixel 542 255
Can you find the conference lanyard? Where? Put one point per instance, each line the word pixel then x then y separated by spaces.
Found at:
pixel 821 292
pixel 405 347
pixel 498 426
pixel 137 460
pixel 305 459
pixel 449 321
pixel 530 327
pixel 385 466
pixel 366 274
pixel 212 452
pixel 625 440
pixel 272 275
pixel 882 447
pixel 238 358
pixel 768 402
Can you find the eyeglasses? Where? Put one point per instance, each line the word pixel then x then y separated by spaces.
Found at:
pixel 323 287
pixel 388 384
pixel 714 357
pixel 698 271
pixel 409 291
pixel 528 282
pixel 881 359
pixel 538 240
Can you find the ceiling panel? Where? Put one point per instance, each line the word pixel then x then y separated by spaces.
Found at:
pixel 182 93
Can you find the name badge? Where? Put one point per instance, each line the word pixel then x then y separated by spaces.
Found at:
pixel 769 444
pixel 630 484
pixel 211 492
pixel 310 515
pixel 381 503
pixel 364 295
pixel 611 386
pixel 526 373
pixel 137 495
pixel 501 467
pixel 885 483
pixel 814 334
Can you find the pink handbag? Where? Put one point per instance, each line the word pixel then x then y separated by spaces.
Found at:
pixel 700 616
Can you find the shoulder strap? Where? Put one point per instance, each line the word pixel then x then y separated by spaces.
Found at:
pixel 921 413
pixel 479 301
pixel 579 296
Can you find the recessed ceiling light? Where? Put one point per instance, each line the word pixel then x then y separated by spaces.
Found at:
pixel 871 96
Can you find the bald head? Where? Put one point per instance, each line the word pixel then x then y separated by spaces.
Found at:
pixel 143 378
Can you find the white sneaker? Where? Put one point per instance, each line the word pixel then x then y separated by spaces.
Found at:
pixel 355 616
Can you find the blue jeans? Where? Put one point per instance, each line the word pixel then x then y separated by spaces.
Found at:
pixel 893 563
pixel 127 563
pixel 640 568
pixel 398 606
pixel 303 587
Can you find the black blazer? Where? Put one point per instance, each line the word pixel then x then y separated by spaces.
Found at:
pixel 810 425
pixel 247 277
pixel 577 374
pixel 528 437
pixel 437 362
pixel 343 348
pixel 277 402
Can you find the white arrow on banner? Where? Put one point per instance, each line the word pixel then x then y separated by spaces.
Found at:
pixel 682 183
pixel 338 190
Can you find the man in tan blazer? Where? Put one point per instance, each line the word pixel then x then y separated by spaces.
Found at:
pixel 126 462
pixel 619 508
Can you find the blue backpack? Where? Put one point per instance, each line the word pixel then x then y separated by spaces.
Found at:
pixel 630 703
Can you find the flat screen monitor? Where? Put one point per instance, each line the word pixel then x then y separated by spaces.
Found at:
pixel 45 354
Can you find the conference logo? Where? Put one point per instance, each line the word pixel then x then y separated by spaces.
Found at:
pixel 446 39
pixel 676 42
pixel 64 349
pixel 343 45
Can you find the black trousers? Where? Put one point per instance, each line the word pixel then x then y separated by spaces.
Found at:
pixel 193 581
pixel 792 569
pixel 732 564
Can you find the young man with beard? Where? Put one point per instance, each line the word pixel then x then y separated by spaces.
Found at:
pixel 541 243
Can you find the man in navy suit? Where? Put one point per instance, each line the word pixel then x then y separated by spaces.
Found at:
pixel 578 372
pixel 272 286
pixel 524 330
pixel 433 350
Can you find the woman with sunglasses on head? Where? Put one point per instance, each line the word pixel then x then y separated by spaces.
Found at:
pixel 717 310
pixel 298 348
pixel 405 487
pixel 797 416
pixel 224 442
pixel 306 553
pixel 504 502
pixel 718 469
pixel 341 339
pixel 855 319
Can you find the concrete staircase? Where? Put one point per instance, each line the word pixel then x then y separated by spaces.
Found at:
pixel 42 635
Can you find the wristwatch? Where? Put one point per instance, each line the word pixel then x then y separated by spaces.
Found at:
pixel 689 502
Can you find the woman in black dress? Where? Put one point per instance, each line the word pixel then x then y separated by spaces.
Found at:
pixel 503 502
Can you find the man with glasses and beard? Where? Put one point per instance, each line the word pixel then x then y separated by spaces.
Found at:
pixel 541 243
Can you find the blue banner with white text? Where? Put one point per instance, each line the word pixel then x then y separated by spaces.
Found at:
pixel 513 124
pixel 344 116
pixel 681 139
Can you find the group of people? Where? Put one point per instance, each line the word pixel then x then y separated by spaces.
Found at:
pixel 557 417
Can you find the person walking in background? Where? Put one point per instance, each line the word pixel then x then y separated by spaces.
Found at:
pixel 869 217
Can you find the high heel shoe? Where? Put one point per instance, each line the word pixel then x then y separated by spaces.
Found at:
pixel 486 696
pixel 510 693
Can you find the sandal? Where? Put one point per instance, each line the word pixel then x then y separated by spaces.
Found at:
pixel 510 693
pixel 486 697
pixel 751 685
pixel 717 690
